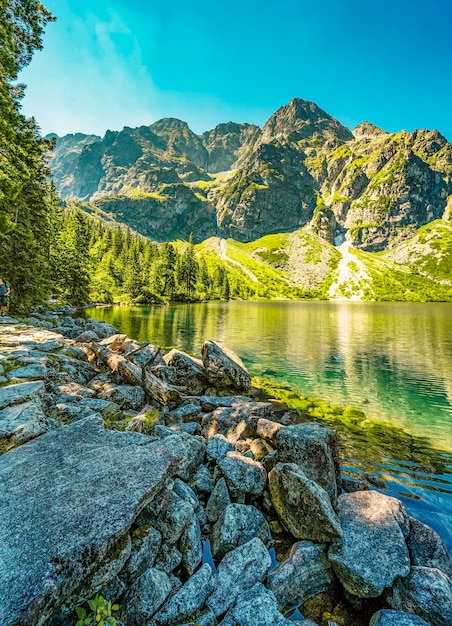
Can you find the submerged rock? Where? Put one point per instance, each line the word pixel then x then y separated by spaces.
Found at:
pixel 67 497
pixel 372 552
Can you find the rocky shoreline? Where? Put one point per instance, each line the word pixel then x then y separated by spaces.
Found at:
pixel 158 481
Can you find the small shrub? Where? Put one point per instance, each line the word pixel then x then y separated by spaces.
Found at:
pixel 100 613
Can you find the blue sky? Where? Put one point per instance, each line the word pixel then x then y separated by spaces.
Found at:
pixel 119 63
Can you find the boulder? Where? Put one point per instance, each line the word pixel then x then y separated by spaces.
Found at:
pixel 21 392
pixel 267 429
pixel 190 372
pixel 223 367
pixel 242 474
pixel 240 570
pixel 372 552
pixel 168 559
pixel 34 371
pixel 22 422
pixel 210 403
pixel 427 549
pixel 184 413
pixel 146 543
pixel 255 607
pixel 171 517
pixel 191 546
pixel 314 448
pixel 237 421
pixel 239 524
pixel 386 617
pixel 305 573
pixel 426 592
pixel 145 597
pixel 189 599
pixel 217 447
pixel 204 481
pixel 218 501
pixel 76 391
pixel 302 505
pixel 66 499
pixel 87 336
pixel 126 396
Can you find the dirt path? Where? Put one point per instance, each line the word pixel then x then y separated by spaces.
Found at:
pixel 225 257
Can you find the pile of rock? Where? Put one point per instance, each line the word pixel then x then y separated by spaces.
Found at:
pixel 178 525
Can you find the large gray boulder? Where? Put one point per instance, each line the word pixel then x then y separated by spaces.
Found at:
pixel 302 505
pixel 242 474
pixel 236 421
pixel 426 592
pixel 224 369
pixel 146 543
pixel 22 422
pixel 67 497
pixel 372 552
pixel 427 549
pixel 217 447
pixel 191 546
pixel 145 597
pixel 314 448
pixel 304 574
pixel 21 392
pixel 33 371
pixel 189 599
pixel 126 396
pixel 190 372
pixel 256 607
pixel 171 515
pixel 240 570
pixel 239 524
pixel 386 617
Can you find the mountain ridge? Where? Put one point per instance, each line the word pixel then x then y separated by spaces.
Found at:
pixel 237 180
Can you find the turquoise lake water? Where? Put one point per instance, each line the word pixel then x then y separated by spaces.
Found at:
pixel 392 360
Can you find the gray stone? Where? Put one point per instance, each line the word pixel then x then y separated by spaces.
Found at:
pixel 224 369
pixel 168 559
pixel 217 447
pixel 191 546
pixel 172 517
pixel 190 372
pixel 305 573
pixel 145 597
pixel 239 420
pixel 314 448
pixel 426 592
pixel 259 449
pixel 302 505
pixel 267 429
pixel 218 501
pixel 203 480
pixel 240 570
pixel 350 484
pixel 114 342
pixel 243 475
pixel 112 563
pixel 255 607
pixel 186 493
pixel 104 407
pixel 22 422
pixel 87 336
pixel 76 390
pixel 146 543
pixel 205 618
pixel 185 413
pixel 427 549
pixel 147 356
pixel 190 598
pixel 66 497
pixel 74 353
pixel 210 403
pixel 239 524
pixel 195 450
pixel 21 392
pixel 372 552
pixel 126 396
pixel 102 329
pixel 386 617
pixel 29 372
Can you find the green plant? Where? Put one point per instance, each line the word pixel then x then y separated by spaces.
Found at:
pixel 101 612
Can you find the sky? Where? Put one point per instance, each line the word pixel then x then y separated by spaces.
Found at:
pixel 110 64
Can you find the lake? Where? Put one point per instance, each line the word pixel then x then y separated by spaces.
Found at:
pixel 391 360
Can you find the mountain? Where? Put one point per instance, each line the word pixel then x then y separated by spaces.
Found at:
pixel 303 168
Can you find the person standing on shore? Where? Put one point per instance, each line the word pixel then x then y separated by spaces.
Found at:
pixel 5 290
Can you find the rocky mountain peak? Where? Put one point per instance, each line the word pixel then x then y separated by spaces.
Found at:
pixel 367 130
pixel 304 118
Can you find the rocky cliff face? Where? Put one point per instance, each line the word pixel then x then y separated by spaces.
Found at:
pixel 239 181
